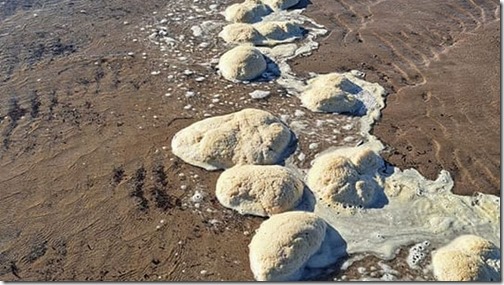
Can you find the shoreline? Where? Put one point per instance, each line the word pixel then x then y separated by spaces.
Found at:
pixel 425 125
pixel 102 196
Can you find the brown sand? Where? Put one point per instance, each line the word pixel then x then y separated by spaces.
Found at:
pixel 440 62
pixel 87 172
pixel 85 180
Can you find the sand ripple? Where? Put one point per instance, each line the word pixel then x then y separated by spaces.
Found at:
pixel 439 62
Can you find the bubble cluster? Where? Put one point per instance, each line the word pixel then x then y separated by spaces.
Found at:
pixel 417 254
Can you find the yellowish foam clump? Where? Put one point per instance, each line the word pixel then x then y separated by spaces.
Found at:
pixel 467 258
pixel 240 33
pixel 280 4
pixel 330 93
pixel 242 63
pixel 250 136
pixel 283 244
pixel 279 31
pixel 262 33
pixel 249 11
pixel 261 190
pixel 365 160
pixel 335 179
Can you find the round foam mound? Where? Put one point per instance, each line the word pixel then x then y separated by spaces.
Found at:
pixel 280 4
pixel 242 63
pixel 330 93
pixel 283 244
pixel 334 179
pixel 239 33
pixel 279 31
pixel 250 11
pixel 261 190
pixel 250 136
pixel 467 258
pixel 262 33
pixel 365 160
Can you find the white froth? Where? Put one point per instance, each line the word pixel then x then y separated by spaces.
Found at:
pixel 242 63
pixel 415 210
pixel 259 94
pixel 417 254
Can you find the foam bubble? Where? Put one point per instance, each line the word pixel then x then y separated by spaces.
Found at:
pixel 262 33
pixel 417 254
pixel 242 63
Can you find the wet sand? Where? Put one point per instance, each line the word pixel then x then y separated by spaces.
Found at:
pixel 88 174
pixel 440 63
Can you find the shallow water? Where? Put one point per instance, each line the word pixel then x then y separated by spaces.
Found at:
pixel 438 61
pixel 91 95
pixel 87 171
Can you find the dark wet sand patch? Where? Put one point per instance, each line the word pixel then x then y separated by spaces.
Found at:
pixel 83 139
pixel 442 72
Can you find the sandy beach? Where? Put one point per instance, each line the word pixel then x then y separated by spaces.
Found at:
pixel 442 72
pixel 89 187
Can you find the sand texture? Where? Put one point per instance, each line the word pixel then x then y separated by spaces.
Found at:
pixel 92 93
pixel 440 63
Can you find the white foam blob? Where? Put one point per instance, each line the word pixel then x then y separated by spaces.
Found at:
pixel 249 11
pixel 280 4
pixel 332 93
pixel 262 33
pixel 417 254
pixel 283 244
pixel 259 94
pixel 242 63
pixel 250 136
pixel 261 190
pixel 467 258
pixel 364 158
pixel 276 32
